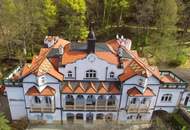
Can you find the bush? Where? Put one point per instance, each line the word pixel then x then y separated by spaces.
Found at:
pixel 179 60
pixel 21 124
pixel 179 123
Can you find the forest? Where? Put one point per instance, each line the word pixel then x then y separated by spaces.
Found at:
pixel 159 29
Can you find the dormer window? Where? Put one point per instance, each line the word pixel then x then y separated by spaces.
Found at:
pixel 70 74
pixel 112 75
pixel 90 74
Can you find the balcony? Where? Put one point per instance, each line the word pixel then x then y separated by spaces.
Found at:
pixel 91 107
pixel 42 108
pixel 135 108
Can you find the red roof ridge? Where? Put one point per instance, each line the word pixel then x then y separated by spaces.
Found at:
pixel 91 88
pixel 102 88
pixel 113 89
pixel 67 88
pixel 79 88
pixel 136 92
pixel 47 91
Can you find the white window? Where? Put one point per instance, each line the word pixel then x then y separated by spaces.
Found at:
pixel 90 74
pixel 133 100
pixel 70 74
pixel 166 98
pixel 112 75
pixel 139 116
pixel 130 117
pixel 48 100
pixel 143 101
pixel 37 100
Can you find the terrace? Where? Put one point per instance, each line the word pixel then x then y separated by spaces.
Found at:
pixel 171 80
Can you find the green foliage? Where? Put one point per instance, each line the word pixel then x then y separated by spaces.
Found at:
pixel 72 17
pixel 178 122
pixel 180 60
pixel 4 123
pixel 21 124
pixel 163 40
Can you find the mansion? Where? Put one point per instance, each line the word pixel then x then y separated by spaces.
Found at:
pixel 92 81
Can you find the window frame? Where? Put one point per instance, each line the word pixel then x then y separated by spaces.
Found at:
pixel 69 74
pixel 166 98
pixel 91 74
pixel 112 74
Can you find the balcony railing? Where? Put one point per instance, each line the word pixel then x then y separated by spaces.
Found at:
pixel 42 108
pixel 90 107
pixel 133 108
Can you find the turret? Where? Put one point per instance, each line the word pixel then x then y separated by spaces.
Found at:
pixel 91 39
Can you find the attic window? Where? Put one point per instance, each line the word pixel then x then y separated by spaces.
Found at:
pixel 90 74
pixel 112 75
pixel 70 74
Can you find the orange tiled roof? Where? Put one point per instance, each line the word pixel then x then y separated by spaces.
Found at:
pixel 168 79
pixel 108 56
pixel 113 89
pixel 47 91
pixel 72 56
pixel 67 88
pixel 41 65
pixel 79 88
pixel 113 45
pixel 91 88
pixel 135 92
pixel 102 88
pixel 138 66
pixel 60 42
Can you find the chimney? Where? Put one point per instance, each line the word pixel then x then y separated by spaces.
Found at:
pixel 91 39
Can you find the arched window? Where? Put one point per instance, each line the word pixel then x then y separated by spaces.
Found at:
pixel 70 74
pixel 112 75
pixel 139 116
pixel 79 116
pixel 80 100
pixel 37 100
pixel 69 100
pixel 101 101
pixel 91 100
pixel 166 98
pixel 133 100
pixel 90 74
pixel 112 100
pixel 48 100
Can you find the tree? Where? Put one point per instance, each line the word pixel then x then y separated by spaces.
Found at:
pixel 72 20
pixel 24 22
pixel 4 123
pixel 163 40
pixel 141 13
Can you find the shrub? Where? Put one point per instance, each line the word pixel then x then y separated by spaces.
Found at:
pixel 21 124
pixel 179 60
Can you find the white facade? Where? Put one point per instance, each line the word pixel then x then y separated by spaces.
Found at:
pixel 92 89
